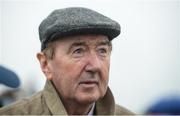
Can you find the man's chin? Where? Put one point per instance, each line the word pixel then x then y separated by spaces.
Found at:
pixel 87 99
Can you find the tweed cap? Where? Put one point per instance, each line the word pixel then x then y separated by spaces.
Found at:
pixel 74 21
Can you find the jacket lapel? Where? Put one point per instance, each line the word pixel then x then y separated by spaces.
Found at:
pixel 52 99
pixel 106 105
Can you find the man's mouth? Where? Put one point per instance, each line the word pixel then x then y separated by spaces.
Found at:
pixel 89 83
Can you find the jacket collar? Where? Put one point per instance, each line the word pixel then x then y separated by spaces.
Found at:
pixel 53 100
pixel 106 105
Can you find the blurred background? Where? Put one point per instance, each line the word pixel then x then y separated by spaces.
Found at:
pixel 145 65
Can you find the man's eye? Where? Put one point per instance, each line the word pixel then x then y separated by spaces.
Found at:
pixel 78 52
pixel 103 51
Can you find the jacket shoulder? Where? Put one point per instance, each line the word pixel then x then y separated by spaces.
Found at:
pixel 120 110
pixel 32 105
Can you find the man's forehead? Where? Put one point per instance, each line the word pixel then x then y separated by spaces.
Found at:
pixel 87 38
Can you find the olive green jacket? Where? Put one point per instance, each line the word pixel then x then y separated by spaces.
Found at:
pixel 47 102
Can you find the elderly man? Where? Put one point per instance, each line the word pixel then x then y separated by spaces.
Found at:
pixel 75 58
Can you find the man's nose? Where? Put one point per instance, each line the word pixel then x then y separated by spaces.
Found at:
pixel 93 63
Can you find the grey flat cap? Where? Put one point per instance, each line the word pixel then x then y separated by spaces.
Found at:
pixel 74 21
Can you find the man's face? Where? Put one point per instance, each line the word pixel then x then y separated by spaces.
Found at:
pixel 80 67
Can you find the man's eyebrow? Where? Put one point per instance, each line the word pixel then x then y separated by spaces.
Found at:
pixel 78 44
pixel 104 43
pixel 82 43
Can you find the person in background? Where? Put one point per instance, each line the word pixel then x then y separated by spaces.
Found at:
pixel 76 45
pixel 169 105
pixel 9 79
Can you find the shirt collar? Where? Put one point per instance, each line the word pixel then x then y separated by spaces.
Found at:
pixel 91 112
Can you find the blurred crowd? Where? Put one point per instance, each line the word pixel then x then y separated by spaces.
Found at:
pixel 10 87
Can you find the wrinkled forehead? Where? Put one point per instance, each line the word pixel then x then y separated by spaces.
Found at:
pixel 88 39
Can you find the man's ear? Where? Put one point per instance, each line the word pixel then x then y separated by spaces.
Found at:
pixel 44 63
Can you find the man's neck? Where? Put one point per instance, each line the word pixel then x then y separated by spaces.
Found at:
pixel 77 109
